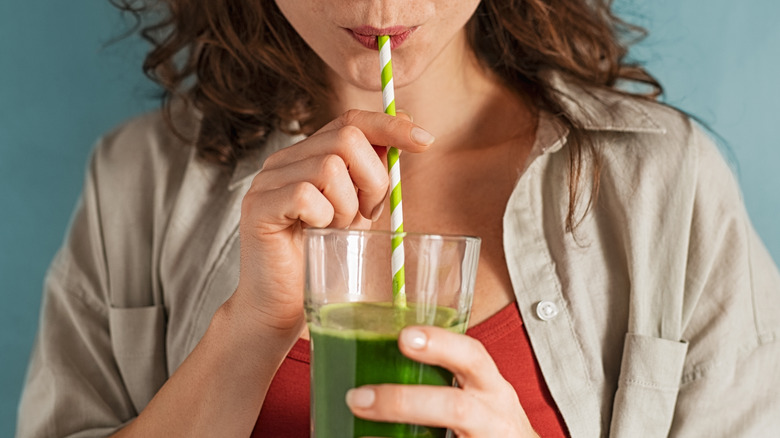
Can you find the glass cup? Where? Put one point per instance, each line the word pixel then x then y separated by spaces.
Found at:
pixel 354 325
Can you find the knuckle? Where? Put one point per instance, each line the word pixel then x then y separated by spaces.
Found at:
pixel 348 117
pixel 475 359
pixel 478 354
pixel 250 198
pixel 272 160
pixel 246 206
pixel 332 166
pixel 400 401
pixel 302 193
pixel 508 393
pixel 259 177
pixel 396 123
pixel 350 136
pixel 460 407
pixel 505 428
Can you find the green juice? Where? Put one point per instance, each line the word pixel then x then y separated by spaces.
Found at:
pixel 344 357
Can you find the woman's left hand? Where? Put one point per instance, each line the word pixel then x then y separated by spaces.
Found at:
pixel 483 405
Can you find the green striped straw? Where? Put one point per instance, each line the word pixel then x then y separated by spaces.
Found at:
pixel 394 168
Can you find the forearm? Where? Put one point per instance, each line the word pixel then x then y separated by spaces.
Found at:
pixel 220 387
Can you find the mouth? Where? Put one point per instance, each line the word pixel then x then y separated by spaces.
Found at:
pixel 367 35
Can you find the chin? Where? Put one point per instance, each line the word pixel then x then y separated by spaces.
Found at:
pixel 366 80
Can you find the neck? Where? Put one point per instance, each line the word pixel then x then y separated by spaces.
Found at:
pixel 456 99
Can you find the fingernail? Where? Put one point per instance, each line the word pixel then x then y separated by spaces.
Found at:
pixel 377 212
pixel 414 338
pixel 360 397
pixel 422 136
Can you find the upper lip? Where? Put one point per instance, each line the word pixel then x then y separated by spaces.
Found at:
pixel 373 31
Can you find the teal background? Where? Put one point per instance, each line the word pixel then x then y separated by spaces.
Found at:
pixel 60 88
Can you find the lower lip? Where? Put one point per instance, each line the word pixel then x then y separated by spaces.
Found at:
pixel 370 41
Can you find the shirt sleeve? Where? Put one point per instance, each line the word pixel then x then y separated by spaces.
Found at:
pixel 74 387
pixel 731 315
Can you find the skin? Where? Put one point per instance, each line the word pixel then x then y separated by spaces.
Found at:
pixel 466 124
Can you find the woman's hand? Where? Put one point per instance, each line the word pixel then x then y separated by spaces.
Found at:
pixel 484 404
pixel 335 178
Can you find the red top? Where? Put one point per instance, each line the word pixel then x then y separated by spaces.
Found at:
pixel 285 411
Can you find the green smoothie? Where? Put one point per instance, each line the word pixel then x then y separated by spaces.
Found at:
pixel 344 358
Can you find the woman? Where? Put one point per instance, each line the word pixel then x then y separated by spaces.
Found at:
pixel 611 228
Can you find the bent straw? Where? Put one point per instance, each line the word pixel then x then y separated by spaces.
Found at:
pixel 394 168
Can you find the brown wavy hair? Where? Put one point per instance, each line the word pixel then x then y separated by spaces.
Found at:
pixel 245 68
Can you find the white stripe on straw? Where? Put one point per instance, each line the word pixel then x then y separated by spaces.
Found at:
pixel 388 93
pixel 397 217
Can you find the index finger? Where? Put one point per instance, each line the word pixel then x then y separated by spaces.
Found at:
pixel 384 130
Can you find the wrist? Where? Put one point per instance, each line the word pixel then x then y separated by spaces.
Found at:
pixel 243 321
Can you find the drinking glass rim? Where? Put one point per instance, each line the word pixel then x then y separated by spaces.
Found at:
pixel 422 236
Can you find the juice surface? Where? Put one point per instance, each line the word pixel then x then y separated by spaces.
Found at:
pixel 344 357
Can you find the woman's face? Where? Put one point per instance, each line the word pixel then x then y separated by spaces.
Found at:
pixel 343 33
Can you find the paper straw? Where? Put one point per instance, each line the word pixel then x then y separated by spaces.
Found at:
pixel 394 168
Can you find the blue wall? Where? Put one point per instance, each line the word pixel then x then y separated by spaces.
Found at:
pixel 60 89
pixel 720 60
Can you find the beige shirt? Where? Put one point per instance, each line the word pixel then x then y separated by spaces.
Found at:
pixel 659 316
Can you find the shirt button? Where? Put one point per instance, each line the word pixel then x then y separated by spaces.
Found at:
pixel 546 310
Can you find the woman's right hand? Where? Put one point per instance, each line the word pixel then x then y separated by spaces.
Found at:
pixel 333 178
pixel 337 178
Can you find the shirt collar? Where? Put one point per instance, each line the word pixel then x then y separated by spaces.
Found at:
pixel 604 110
pixel 593 110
